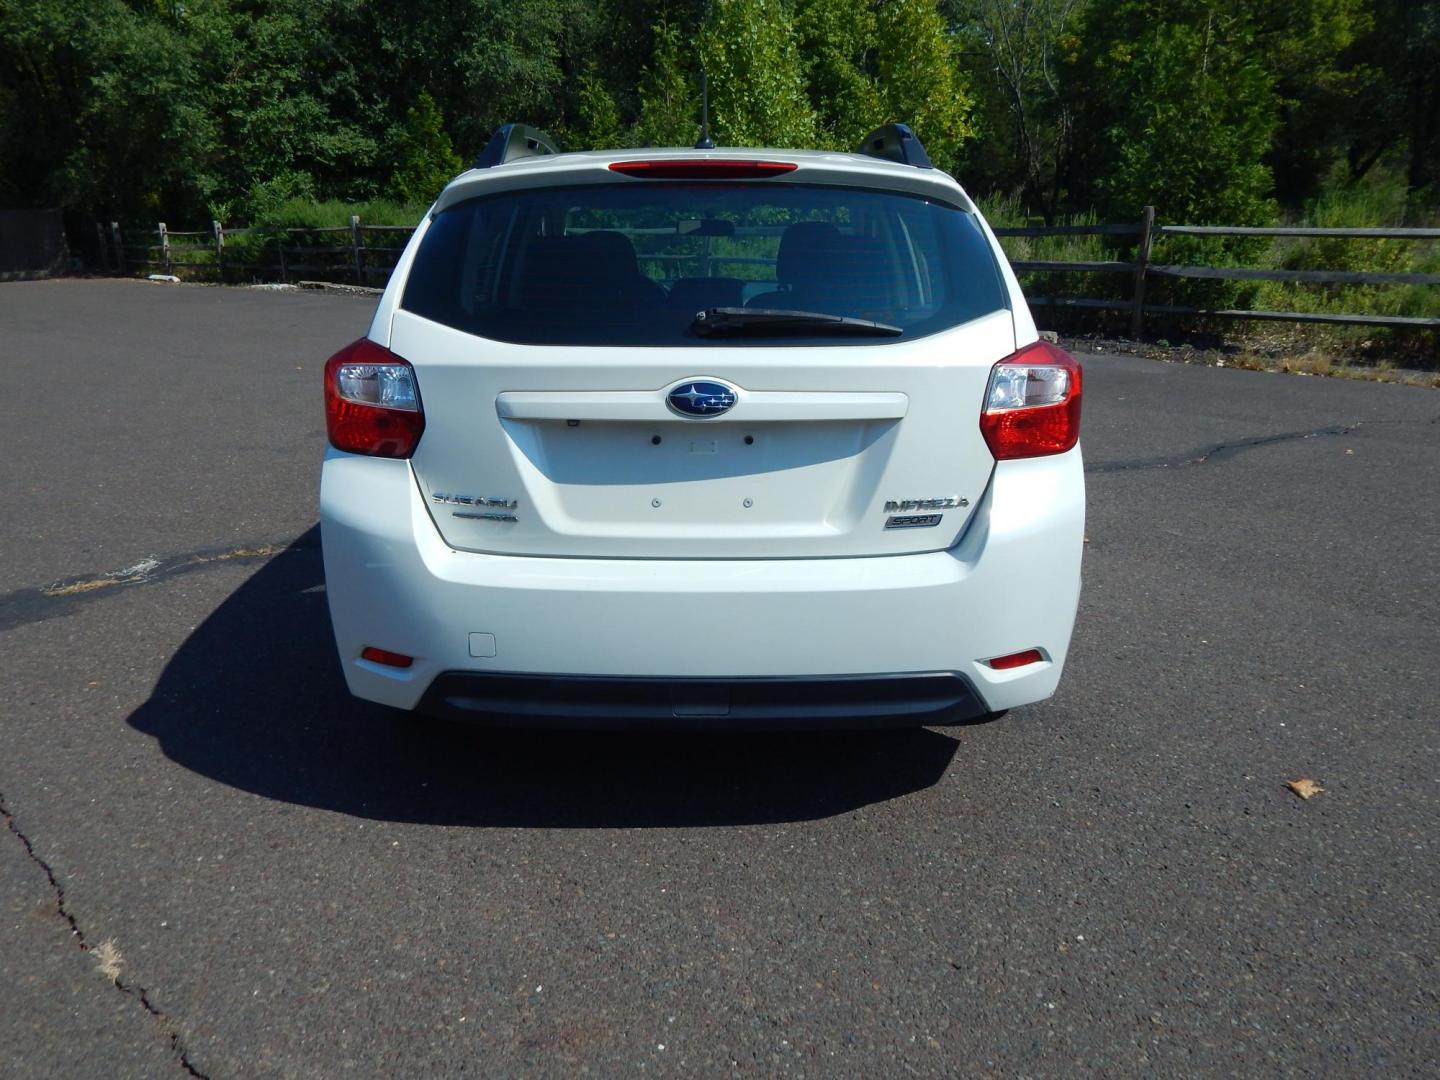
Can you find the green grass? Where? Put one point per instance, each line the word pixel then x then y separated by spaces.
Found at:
pixel 1007 212
pixel 253 255
pixel 1002 212
pixel 311 214
pixel 1382 202
pixel 1378 201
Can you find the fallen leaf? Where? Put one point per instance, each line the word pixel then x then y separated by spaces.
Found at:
pixel 1305 787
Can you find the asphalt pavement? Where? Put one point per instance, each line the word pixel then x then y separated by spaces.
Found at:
pixel 215 861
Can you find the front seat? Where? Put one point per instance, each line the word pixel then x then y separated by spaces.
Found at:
pixel 805 248
pixel 607 271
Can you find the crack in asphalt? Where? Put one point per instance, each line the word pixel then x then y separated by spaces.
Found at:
pixel 1207 454
pixel 1204 455
pixel 64 597
pixel 129 989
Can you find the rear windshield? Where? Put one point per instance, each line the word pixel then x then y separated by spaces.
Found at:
pixel 634 263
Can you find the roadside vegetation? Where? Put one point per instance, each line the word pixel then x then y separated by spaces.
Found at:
pixel 1379 200
pixel 290 113
pixel 296 213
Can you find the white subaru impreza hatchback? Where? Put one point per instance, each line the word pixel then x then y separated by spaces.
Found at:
pixel 742 438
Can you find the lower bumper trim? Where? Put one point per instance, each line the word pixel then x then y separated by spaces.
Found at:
pixel 619 702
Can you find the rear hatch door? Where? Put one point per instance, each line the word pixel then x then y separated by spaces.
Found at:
pixel 576 406
pixel 577 452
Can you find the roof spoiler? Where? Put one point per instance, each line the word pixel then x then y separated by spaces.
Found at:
pixel 894 142
pixel 511 142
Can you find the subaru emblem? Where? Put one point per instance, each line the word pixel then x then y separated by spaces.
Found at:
pixel 702 398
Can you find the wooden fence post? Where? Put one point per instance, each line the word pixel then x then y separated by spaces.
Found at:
pixel 164 246
pixel 356 240
pixel 280 247
pixel 219 231
pixel 103 247
pixel 119 244
pixel 1142 260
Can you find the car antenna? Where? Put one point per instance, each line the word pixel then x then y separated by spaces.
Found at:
pixel 704 142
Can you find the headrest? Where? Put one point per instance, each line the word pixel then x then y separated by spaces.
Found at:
pixel 606 252
pixel 805 249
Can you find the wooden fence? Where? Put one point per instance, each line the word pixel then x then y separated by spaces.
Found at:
pixel 1141 267
pixel 366 254
pixel 357 253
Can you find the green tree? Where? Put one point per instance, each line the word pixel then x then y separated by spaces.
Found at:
pixel 1018 50
pixel 599 126
pixel 837 40
pixel 758 94
pixel 1306 45
pixel 501 60
pixel 917 68
pixel 1179 110
pixel 1395 115
pixel 669 101
pixel 425 160
pixel 869 62
pixel 1212 109
pixel 290 104
pixel 1422 89
pixel 106 110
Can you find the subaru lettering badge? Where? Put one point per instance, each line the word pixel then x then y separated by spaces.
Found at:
pixel 702 398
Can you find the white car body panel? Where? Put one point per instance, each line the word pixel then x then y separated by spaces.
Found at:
pixel 621 563
pixel 1011 584
pixel 813 167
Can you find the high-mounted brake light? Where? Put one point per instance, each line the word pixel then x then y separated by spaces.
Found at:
pixel 1032 405
pixel 702 169
pixel 372 403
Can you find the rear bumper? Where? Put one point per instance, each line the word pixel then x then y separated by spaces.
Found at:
pixel 585 701
pixel 1011 584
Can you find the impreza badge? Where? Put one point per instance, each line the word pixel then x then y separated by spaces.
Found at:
pixel 946 502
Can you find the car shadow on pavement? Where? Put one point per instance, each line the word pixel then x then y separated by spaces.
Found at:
pixel 255 699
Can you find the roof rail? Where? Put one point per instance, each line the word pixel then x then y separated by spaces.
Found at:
pixel 510 142
pixel 896 142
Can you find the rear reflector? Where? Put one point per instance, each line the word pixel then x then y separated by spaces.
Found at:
pixel 386 657
pixel 1032 405
pixel 372 404
pixel 702 169
pixel 1014 660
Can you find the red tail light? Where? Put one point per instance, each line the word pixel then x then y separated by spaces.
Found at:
pixel 372 402
pixel 703 169
pixel 1032 405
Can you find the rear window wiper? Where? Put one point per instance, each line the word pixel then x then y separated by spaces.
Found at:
pixel 734 320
